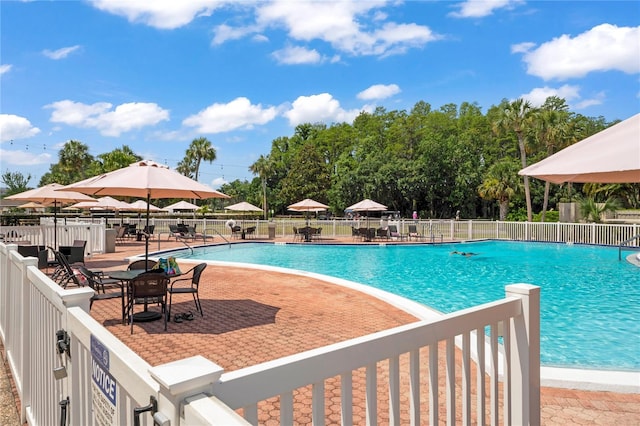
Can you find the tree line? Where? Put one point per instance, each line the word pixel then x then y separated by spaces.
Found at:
pixel 433 161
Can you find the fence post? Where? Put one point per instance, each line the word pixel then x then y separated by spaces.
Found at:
pixel 181 379
pixel 525 356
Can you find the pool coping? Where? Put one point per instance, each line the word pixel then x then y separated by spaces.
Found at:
pixel 559 377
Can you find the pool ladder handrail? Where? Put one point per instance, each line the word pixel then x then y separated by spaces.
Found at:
pixel 623 245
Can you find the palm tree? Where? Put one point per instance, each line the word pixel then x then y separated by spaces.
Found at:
pixel 551 128
pixel 199 150
pixel 501 183
pixel 516 116
pixel 593 211
pixel 262 167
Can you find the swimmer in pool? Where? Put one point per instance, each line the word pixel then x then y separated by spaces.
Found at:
pixel 464 253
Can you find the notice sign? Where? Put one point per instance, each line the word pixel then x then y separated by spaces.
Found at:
pixel 104 386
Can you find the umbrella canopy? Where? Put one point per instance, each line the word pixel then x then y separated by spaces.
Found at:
pixel 610 156
pixel 104 203
pixel 52 194
pixel 32 205
pixel 142 206
pixel 308 205
pixel 367 205
pixel 145 179
pixel 243 207
pixel 181 205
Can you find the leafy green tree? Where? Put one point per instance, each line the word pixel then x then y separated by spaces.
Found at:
pixel 516 116
pixel 74 164
pixel 307 178
pixel 117 159
pixel 15 182
pixel 501 183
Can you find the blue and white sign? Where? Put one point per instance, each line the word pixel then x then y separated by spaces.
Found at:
pixel 104 386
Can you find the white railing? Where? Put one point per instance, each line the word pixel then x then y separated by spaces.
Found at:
pixel 401 353
pixel 43 234
pixel 105 381
pixel 433 230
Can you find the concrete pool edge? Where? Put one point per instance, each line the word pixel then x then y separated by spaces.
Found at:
pixel 568 378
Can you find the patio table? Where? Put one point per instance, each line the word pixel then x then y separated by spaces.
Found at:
pixel 126 276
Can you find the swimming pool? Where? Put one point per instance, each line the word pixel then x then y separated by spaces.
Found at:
pixel 590 301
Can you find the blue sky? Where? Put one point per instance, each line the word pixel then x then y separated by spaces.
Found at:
pixel 154 75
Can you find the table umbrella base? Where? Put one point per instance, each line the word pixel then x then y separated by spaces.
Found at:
pixel 146 316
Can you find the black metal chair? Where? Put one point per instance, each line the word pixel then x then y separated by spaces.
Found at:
pixel 145 289
pixel 97 283
pixel 192 288
pixel 147 265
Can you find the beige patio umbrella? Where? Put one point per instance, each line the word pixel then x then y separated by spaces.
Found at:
pixel 367 206
pixel 142 206
pixel 308 205
pixel 243 207
pixel 610 156
pixel 103 203
pixel 145 179
pixel 51 195
pixel 181 205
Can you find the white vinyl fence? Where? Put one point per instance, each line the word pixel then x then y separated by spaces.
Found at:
pixel 70 370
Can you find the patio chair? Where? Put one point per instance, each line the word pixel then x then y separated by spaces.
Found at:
pixel 148 288
pixel 97 283
pixel 148 230
pixel 75 252
pixel 297 235
pixel 121 234
pixel 176 232
pixel 382 234
pixel 142 264
pixel 393 233
pixel 250 231
pixel 39 252
pixel 413 232
pixel 192 288
pixel 236 231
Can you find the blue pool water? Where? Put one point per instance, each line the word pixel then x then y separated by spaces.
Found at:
pixel 590 301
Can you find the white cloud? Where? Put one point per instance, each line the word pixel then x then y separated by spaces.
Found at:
pixel 124 118
pixel 162 14
pixel 568 92
pixel 354 27
pixel 224 33
pixel 539 95
pixel 13 127
pixel 237 114
pixel 218 182
pixel 23 158
pixel 379 91
pixel 295 55
pixel 522 47
pixel 60 53
pixel 318 108
pixel 5 68
pixel 603 48
pixel 482 8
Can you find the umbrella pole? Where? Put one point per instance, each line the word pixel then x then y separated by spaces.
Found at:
pixel 55 225
pixel 146 235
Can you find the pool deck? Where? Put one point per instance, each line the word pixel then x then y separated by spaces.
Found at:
pixel 251 316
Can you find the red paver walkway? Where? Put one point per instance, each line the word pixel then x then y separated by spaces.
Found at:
pixel 252 316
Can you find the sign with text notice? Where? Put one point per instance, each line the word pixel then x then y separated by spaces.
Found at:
pixel 104 386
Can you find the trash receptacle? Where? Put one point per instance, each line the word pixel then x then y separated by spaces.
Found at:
pixel 110 240
pixel 272 230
